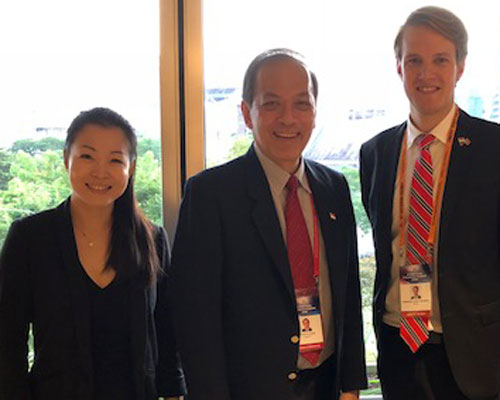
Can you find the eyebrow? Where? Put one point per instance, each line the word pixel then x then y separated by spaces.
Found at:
pixel 441 53
pixel 87 146
pixel 271 94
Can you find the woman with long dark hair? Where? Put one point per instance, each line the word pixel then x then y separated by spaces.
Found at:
pixel 90 276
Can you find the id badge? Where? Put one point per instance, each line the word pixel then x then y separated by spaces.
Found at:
pixel 310 321
pixel 415 290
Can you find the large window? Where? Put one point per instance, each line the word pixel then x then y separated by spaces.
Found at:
pixel 62 57
pixel 349 45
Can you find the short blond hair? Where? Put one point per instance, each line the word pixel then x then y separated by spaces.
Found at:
pixel 440 20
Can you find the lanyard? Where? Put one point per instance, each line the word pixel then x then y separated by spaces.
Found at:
pixel 440 189
pixel 315 241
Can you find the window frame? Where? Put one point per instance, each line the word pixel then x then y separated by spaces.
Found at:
pixel 181 101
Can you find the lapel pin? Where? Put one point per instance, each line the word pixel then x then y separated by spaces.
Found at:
pixel 333 216
pixel 463 141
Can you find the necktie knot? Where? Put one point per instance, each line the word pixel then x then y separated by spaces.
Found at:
pixel 425 140
pixel 292 184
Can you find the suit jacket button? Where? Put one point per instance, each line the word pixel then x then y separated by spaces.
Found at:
pixel 292 376
pixel 294 339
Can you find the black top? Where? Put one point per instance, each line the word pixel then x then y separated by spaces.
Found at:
pixel 110 336
pixel 41 282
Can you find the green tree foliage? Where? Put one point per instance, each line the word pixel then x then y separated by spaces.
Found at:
pixel 36 146
pixel 5 221
pixel 5 161
pixel 352 176
pixel 240 146
pixel 36 179
pixel 148 186
pixel 367 280
pixel 147 144
pixel 38 182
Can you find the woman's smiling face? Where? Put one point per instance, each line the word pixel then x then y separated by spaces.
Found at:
pixel 99 165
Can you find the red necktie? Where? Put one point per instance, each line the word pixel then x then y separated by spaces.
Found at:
pixel 300 254
pixel 413 330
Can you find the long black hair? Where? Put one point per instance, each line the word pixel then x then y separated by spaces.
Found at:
pixel 132 246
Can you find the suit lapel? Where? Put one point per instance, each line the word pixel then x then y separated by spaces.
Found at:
pixel 391 154
pixel 266 220
pixel 77 289
pixel 330 215
pixel 459 160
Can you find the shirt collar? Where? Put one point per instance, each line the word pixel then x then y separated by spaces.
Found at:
pixel 277 176
pixel 440 131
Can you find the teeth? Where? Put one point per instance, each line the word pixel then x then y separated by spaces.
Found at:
pixel 98 187
pixel 427 88
pixel 286 134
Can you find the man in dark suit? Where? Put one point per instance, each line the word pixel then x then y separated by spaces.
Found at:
pixel 240 258
pixel 431 188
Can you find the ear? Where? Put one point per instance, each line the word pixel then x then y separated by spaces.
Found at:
pixel 66 159
pixel 315 113
pixel 245 110
pixel 460 69
pixel 131 169
pixel 399 68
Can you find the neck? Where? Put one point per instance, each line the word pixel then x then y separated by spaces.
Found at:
pixel 426 123
pixel 291 169
pixel 88 218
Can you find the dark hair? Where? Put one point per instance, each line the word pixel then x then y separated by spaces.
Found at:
pixel 266 57
pixel 439 20
pixel 132 246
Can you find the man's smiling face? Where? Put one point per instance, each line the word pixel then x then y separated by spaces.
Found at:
pixel 282 114
pixel 430 72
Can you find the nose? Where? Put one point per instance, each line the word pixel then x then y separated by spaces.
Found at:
pixel 100 169
pixel 287 115
pixel 425 71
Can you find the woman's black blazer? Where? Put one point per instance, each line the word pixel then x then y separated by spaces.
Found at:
pixel 41 283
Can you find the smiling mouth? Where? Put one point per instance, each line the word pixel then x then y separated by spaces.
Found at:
pixel 286 135
pixel 428 89
pixel 98 188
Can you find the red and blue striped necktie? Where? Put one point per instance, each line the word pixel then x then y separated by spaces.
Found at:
pixel 414 330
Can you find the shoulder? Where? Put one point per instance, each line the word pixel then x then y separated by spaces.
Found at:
pixel 479 126
pixel 216 182
pixel 325 181
pixel 39 221
pixel 323 173
pixel 29 234
pixel 384 137
pixel 233 169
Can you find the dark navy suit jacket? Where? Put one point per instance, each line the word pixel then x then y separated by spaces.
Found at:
pixel 231 276
pixel 468 247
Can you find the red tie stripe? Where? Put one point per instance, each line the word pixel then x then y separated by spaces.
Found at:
pixel 413 330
